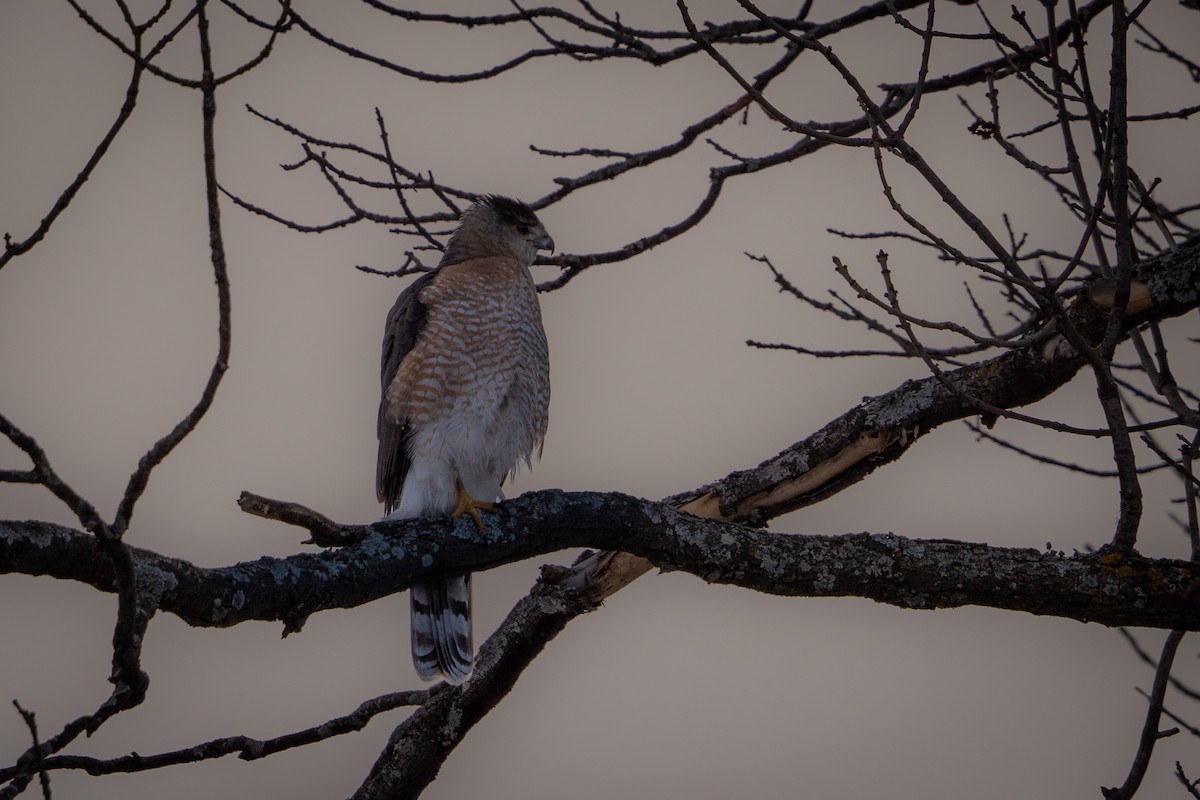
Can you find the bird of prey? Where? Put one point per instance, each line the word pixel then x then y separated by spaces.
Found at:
pixel 466 391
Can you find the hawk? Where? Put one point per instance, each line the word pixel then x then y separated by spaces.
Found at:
pixel 466 391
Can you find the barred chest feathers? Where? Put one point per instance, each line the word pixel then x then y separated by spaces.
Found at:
pixel 482 398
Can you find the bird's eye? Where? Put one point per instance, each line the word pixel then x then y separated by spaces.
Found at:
pixel 523 228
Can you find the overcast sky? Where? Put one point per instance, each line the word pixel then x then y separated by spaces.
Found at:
pixel 674 688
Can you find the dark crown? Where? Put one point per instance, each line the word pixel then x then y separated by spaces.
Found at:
pixel 508 210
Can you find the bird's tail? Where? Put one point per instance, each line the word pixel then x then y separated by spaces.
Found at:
pixel 441 629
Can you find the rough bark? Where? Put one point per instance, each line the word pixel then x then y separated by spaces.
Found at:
pixel 697 532
pixel 837 456
pixel 911 573
pixel 880 429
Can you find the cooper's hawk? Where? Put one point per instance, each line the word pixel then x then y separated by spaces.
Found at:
pixel 466 388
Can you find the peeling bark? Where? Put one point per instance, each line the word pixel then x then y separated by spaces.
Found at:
pixel 880 429
pixel 387 557
pixel 839 455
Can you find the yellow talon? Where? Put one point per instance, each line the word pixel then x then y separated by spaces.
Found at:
pixel 469 505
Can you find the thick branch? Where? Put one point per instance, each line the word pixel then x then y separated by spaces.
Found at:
pixel 1110 589
pixel 830 460
pixel 875 432
pixel 880 429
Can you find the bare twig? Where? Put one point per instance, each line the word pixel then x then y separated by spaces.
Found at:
pixel 39 763
pixel 1044 459
pixel 245 747
pixel 13 249
pixel 1190 785
pixel 1150 731
pixel 163 447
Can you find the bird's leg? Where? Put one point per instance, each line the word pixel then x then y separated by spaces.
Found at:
pixel 469 505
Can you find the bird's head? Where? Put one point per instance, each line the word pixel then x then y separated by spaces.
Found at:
pixel 510 224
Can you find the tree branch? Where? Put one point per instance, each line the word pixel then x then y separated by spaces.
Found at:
pixel 1111 589
pixel 843 452
pixel 13 249
pixel 247 748
pixel 881 428
pixel 835 457
pixel 1150 732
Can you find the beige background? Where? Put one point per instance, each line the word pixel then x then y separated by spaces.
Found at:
pixel 674 688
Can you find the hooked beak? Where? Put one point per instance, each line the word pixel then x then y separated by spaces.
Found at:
pixel 546 243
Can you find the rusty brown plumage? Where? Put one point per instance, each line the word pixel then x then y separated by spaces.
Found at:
pixel 466 393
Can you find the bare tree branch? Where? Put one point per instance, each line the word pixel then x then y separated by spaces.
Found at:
pixel 1150 732
pixel 13 249
pixel 1067 305
pixel 1105 588
pixel 40 766
pixel 245 747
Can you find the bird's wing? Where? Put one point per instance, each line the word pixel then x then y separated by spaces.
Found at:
pixel 404 324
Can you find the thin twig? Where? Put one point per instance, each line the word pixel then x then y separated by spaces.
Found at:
pixel 39 763
pixel 1150 732
pixel 245 747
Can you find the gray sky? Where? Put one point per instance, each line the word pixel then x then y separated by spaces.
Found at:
pixel 674 688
